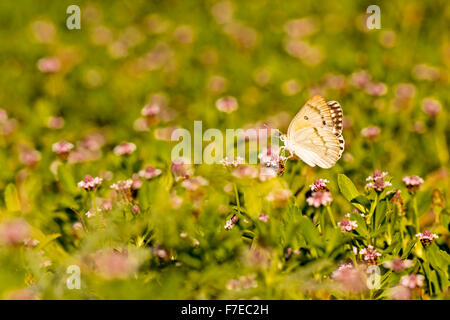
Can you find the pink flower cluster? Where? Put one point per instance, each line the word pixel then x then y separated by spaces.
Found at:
pixel 125 148
pixel 89 183
pixel 370 254
pixel 427 237
pixel 347 225
pixel 227 162
pixel 350 278
pixel 377 181
pixel 320 185
pixel 413 183
pixel 14 232
pixel 405 289
pixel 412 281
pixel 398 264
pixel 122 185
pixel 371 132
pixel 227 104
pixel 181 169
pixel 149 173
pixel 319 198
pixel 62 148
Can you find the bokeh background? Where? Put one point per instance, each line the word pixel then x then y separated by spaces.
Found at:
pixel 266 58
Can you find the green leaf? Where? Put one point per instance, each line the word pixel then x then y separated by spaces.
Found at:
pixel 49 239
pixel 380 213
pixel 409 248
pixel 310 232
pixel 362 200
pixel 12 198
pixel 66 179
pixel 361 222
pixel 349 190
pixel 438 259
pixel 333 239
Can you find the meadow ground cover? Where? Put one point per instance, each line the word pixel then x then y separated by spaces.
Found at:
pixel 94 206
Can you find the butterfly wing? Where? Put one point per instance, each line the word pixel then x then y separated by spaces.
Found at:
pixel 318 146
pixel 315 133
pixel 318 113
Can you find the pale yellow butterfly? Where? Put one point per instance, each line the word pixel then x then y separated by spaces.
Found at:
pixel 315 133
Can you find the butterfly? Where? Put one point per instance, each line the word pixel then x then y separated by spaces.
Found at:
pixel 315 133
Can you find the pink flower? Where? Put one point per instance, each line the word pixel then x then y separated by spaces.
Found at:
pixel 30 157
pixel 427 237
pixel 91 213
pixel 412 281
pixel 227 162
pixel 8 126
pixel 320 185
pixel 181 169
pixel 122 185
pixel 270 157
pixel 231 222
pixel 400 293
pixel 347 225
pixel 55 122
pixel 431 106
pixel 184 34
pixel 3 115
pixel 245 172
pixel 227 104
pixel 370 254
pixel 412 183
pixel 30 242
pixel 243 283
pixel 14 232
pixel 297 28
pixel 350 278
pixel 175 200
pixel 217 84
pixel 106 205
pixel 49 65
pixel 89 183
pixel 360 79
pixel 279 197
pixel 397 264
pixel 426 72
pixel 93 142
pixel 371 132
pixel 267 173
pixel 376 89
pixel 377 181
pixel 135 209
pixel 23 294
pixel 137 183
pixel 405 91
pixel 151 110
pixel 319 198
pixel 115 265
pixel 149 173
pixel 125 148
pixel 264 218
pixel 193 183
pixel 62 148
pixel 43 31
pixel 291 87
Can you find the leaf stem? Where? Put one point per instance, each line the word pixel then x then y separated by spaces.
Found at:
pixel 236 193
pixel 331 216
